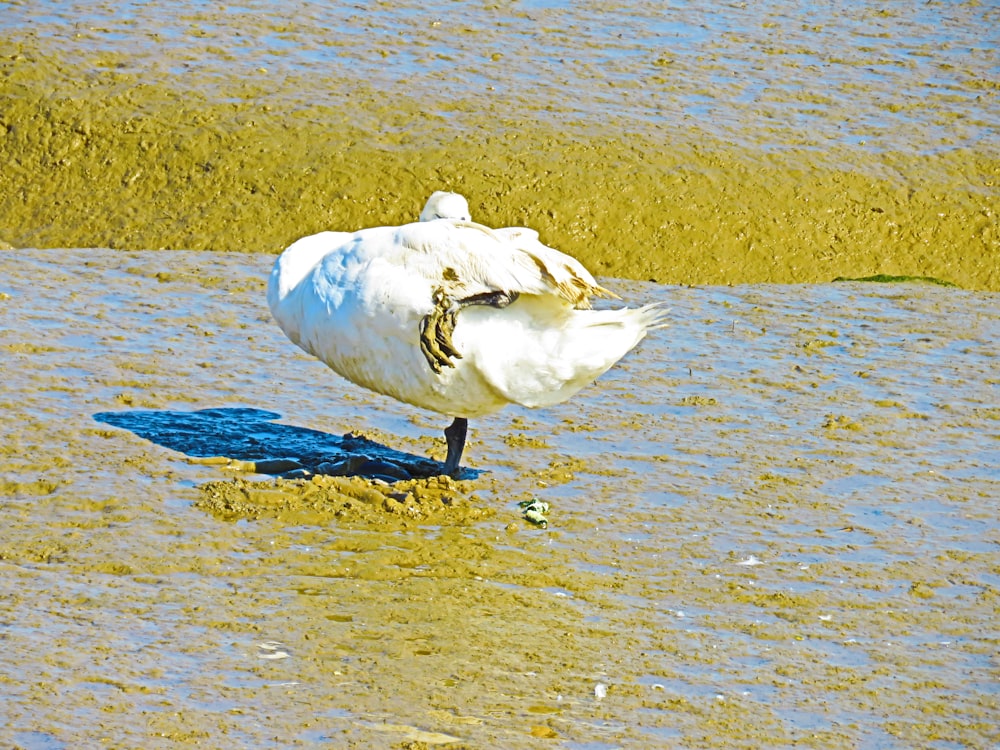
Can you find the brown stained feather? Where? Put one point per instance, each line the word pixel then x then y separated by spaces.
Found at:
pixel 574 290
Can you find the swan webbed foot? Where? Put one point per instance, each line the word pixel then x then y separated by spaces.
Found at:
pixel 437 327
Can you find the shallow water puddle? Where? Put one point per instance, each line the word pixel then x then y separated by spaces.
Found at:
pixel 774 524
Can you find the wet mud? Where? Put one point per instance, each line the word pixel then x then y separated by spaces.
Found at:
pixel 773 525
pixel 737 145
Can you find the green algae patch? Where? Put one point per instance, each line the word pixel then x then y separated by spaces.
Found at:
pixel 882 278
pixel 98 156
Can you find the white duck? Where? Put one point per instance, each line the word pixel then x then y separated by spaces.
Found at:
pixel 450 315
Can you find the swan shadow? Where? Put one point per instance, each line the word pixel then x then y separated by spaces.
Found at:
pixel 253 435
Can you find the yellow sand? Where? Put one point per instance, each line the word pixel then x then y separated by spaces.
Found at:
pixel 97 158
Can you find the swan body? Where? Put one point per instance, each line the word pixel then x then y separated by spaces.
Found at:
pixel 356 301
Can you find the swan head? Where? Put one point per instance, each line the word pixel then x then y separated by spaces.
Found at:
pixel 442 205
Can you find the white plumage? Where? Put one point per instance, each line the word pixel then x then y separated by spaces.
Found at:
pixel 442 205
pixel 359 301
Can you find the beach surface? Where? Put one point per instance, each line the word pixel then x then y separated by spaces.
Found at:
pixel 773 525
pixel 734 145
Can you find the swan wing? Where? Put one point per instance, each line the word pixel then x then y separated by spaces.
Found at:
pixel 576 284
pixel 469 259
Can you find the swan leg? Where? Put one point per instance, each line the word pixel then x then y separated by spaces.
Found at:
pixel 437 326
pixel 454 435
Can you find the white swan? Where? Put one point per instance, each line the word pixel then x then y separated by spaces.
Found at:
pixel 451 316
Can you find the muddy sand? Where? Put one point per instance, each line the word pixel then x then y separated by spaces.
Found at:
pixel 740 145
pixel 774 525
